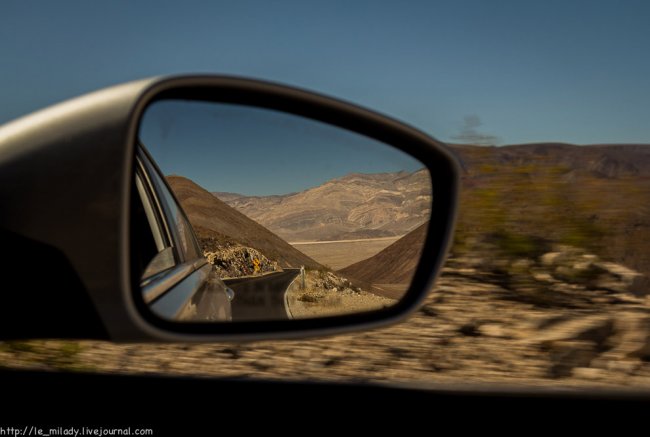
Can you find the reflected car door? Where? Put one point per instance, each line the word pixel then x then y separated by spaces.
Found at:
pixel 178 283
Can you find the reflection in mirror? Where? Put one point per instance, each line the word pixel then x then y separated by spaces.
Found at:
pixel 295 218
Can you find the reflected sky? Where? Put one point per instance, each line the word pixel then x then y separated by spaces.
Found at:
pixel 253 151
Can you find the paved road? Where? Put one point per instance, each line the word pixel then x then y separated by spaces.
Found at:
pixel 261 298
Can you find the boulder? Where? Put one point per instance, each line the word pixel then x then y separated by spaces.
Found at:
pixel 596 329
pixel 614 277
pixel 550 259
pixel 234 261
pixel 567 355
pixel 632 339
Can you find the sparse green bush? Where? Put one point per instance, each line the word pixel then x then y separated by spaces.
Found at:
pixel 17 346
pixel 305 297
pixel 583 233
pixel 513 245
pixel 63 355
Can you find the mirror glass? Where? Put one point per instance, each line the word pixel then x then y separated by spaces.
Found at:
pixel 281 217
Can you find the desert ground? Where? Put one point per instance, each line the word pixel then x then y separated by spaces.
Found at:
pixel 339 254
pixel 327 294
pixel 473 328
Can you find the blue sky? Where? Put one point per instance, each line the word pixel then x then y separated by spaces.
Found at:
pixel 520 71
pixel 255 151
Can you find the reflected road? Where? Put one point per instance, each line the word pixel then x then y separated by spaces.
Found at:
pixel 261 298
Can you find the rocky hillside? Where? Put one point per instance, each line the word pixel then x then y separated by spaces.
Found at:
pixel 217 223
pixel 353 206
pixel 235 261
pixel 328 294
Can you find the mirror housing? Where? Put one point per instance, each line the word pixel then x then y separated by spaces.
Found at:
pixel 66 177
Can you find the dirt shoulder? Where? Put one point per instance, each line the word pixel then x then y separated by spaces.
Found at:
pixel 326 294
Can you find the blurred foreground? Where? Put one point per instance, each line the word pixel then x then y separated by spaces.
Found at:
pixel 508 321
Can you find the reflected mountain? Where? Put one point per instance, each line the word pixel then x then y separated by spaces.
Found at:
pixel 353 206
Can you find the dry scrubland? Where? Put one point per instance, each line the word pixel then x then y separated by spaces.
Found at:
pixel 499 326
pixel 327 294
pixel 353 206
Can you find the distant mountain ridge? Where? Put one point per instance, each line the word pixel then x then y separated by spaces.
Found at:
pixel 599 160
pixel 353 206
pixel 213 219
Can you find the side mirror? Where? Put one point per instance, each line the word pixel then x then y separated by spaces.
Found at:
pixel 213 208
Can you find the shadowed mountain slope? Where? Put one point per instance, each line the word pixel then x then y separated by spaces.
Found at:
pixel 212 218
pixel 393 265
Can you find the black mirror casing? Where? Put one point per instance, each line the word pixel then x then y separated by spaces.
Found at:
pixel 66 176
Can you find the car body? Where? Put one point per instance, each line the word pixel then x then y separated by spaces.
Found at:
pixel 79 157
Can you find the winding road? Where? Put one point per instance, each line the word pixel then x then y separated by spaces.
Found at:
pixel 261 298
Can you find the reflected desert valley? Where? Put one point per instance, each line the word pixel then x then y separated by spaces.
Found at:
pixel 349 245
pixel 299 219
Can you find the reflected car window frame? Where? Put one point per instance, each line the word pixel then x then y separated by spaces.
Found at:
pixel 151 209
pixel 164 196
pixel 157 222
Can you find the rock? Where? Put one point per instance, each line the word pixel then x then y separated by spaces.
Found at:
pixel 429 311
pixel 568 251
pixel 302 353
pixel 234 261
pixel 499 264
pixel 522 264
pixel 471 262
pixel 543 277
pixel 589 257
pixel 549 259
pixel 469 330
pixel 545 321
pixel 460 271
pixel 627 299
pixel 564 273
pixel 632 339
pixel 589 373
pixel 640 286
pixel 331 282
pixel 624 366
pixel 583 266
pixel 567 355
pixel 595 328
pixel 582 273
pixel 615 277
pixel 561 255
pixel 493 330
